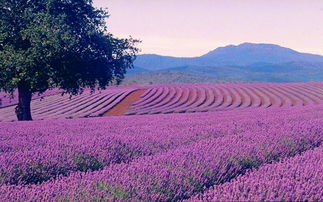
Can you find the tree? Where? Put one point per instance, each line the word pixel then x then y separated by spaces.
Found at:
pixel 62 44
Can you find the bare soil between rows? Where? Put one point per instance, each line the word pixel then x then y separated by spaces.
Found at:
pixel 120 108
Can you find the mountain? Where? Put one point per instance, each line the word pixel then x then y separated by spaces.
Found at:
pixel 247 62
pixel 136 70
pixel 249 53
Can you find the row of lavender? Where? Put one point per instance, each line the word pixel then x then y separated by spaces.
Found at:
pixel 57 150
pixel 170 157
pixel 216 97
pixel 10 100
pixel 170 99
pixel 296 179
pixel 84 105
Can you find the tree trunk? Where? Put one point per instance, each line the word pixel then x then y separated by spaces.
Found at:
pixel 23 108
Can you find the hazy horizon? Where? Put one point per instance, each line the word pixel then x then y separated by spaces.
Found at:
pixel 192 28
pixel 226 46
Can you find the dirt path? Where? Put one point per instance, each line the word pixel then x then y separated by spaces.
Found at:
pixel 125 104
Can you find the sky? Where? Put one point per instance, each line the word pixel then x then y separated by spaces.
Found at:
pixel 188 28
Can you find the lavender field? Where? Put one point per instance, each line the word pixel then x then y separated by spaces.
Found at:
pixel 255 153
pixel 223 97
pixel 54 105
pixel 162 99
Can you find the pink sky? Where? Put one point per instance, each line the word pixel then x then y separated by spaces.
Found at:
pixel 194 27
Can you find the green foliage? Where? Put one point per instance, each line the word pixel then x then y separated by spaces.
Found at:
pixel 246 162
pixel 58 43
pixel 116 192
pixel 87 162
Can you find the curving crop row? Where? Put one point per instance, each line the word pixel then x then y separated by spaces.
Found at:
pixel 176 99
pixel 171 101
pixel 7 100
pixel 84 105
pixel 223 97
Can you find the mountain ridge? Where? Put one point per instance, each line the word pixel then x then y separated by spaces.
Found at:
pixel 271 63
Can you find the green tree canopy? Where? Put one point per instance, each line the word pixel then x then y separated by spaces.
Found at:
pixel 58 44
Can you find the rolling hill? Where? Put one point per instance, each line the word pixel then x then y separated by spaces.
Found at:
pixel 244 62
pixel 167 76
pixel 172 98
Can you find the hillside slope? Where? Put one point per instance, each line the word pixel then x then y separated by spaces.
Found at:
pixel 174 98
pixel 169 76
